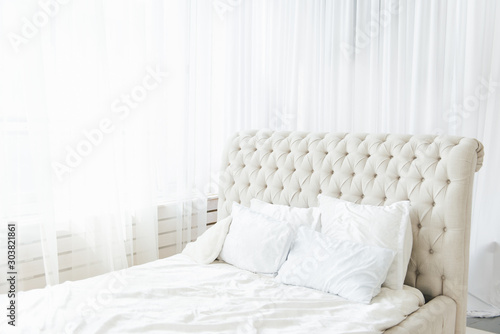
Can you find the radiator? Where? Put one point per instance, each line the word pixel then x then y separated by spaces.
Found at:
pixel 29 262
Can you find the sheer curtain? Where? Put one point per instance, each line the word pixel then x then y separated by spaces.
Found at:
pixel 371 66
pixel 99 126
pixel 137 98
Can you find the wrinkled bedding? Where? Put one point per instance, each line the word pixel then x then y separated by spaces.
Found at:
pixel 177 295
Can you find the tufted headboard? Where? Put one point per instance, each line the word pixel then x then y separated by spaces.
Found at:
pixel 435 173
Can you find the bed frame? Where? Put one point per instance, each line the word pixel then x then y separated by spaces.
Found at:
pixel 435 173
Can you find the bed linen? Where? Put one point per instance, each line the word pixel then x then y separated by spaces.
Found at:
pixel 178 295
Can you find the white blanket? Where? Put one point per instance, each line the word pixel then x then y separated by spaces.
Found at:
pixel 177 295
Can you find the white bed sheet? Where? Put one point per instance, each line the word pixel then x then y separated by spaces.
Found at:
pixel 176 295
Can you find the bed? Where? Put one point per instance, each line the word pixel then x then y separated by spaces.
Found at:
pixel 179 295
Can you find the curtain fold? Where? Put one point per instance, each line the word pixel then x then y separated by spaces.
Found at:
pixel 103 122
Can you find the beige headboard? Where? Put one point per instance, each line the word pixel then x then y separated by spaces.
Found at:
pixel 435 173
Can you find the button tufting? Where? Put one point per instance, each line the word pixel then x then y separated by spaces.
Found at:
pixel 320 191
pixel 419 225
pixel 414 158
pixel 368 155
pixel 431 251
pixel 422 180
pixel 445 229
pixel 443 277
pixel 439 159
pixel 346 154
pixel 417 272
pixel 374 176
pixel 331 172
pixel 433 203
pixel 399 178
pixel 391 156
pixel 340 194
pixel 362 196
pixel 448 181
pixel 353 174
pixel 385 199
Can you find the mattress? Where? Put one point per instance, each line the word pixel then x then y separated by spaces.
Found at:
pixel 177 295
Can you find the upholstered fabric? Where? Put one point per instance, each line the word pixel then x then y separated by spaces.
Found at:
pixel 435 173
pixel 435 317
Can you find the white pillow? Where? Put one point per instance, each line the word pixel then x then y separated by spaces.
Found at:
pixel 207 246
pixel 383 226
pixel 345 268
pixel 292 215
pixel 256 242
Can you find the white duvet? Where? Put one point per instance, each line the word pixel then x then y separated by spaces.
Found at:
pixel 177 295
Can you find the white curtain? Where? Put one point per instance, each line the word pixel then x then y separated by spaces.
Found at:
pixel 371 66
pixel 352 66
pixel 100 127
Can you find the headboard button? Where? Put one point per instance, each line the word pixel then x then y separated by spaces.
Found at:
pixel 448 181
pixel 419 225
pixel 443 277
pixel 431 251
pixel 444 229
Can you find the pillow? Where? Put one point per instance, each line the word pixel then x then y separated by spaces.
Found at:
pixel 345 268
pixel 256 242
pixel 292 215
pixel 207 246
pixel 383 226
